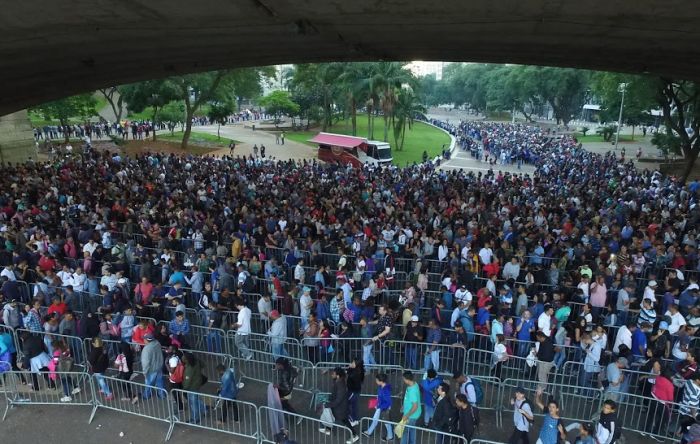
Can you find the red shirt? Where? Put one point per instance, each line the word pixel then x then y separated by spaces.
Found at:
pixel 46 263
pixel 663 389
pixel 59 308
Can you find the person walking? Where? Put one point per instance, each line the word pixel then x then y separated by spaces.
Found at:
pixel 278 334
pixel 192 382
pixel 411 408
pixel 356 376
pixel 522 418
pixel 552 428
pixel 608 429
pixel 444 414
pixel 382 408
pixel 152 365
pixel 243 330
pixel 99 362
pixel 286 377
pixel 176 374
pixel 468 417
pixel 339 405
pixel 229 391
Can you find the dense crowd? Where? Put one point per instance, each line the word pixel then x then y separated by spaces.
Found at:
pixel 587 254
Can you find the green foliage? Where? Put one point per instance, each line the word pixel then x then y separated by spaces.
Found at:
pixel 279 103
pixel 640 97
pixel 584 130
pixel 82 105
pixel 406 109
pixel 667 143
pixel 607 132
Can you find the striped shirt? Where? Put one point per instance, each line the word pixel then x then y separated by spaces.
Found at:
pixel 691 399
pixel 646 316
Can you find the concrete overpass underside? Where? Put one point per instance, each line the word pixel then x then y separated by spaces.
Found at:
pixel 49 50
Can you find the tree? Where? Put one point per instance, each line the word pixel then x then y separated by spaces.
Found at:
pixel 406 109
pixel 115 100
pixel 388 78
pixel 680 103
pixel 640 97
pixel 323 79
pixel 173 113
pixel 279 103
pixel 82 105
pixel 219 112
pixel 564 89
pixel 197 89
pixel 153 94
pixel 352 83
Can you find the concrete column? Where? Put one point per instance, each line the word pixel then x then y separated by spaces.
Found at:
pixel 16 138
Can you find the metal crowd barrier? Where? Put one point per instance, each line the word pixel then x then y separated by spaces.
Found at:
pixel 58 388
pixel 573 403
pixel 423 435
pixel 639 414
pixel 157 405
pixel 302 429
pixel 324 384
pixel 233 417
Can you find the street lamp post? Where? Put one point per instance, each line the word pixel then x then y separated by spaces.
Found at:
pixel 622 88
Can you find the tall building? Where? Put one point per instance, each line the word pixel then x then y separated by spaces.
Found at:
pixel 422 69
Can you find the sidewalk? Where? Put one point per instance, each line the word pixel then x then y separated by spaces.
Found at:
pixel 247 138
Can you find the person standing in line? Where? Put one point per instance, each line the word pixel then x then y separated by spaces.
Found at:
pixel 411 408
pixel 338 403
pixel 522 418
pixel 286 377
pixel 545 359
pixel 176 374
pixel 278 334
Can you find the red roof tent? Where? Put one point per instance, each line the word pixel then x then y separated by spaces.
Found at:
pixel 340 141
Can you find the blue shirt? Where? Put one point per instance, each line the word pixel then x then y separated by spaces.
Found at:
pixel 639 343
pixel 482 317
pixel 549 433
pixel 229 386
pixel 180 328
pixel 428 388
pixel 524 333
pixel 434 336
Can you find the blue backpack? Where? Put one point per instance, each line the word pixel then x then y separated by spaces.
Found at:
pixel 478 391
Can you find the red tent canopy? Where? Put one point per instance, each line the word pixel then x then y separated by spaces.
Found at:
pixel 338 140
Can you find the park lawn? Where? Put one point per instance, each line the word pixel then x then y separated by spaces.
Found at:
pixel 599 138
pixel 196 138
pixel 421 137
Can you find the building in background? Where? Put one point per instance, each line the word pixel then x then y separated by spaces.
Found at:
pixel 280 81
pixel 422 69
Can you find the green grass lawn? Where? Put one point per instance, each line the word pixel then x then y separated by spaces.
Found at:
pixel 420 138
pixel 196 138
pixel 599 138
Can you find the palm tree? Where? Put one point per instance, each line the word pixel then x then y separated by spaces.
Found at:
pixel 389 77
pixel 352 81
pixel 405 110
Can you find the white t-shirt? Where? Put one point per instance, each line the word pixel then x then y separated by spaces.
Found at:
pixel 544 324
pixel 624 336
pixel 10 275
pixel 305 306
pixel 243 320
pixel 485 254
pixel 463 295
pixel 677 321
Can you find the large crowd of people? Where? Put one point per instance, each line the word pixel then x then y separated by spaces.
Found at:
pixel 588 254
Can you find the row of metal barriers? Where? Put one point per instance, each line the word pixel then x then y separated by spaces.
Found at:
pixel 181 408
pixel 636 413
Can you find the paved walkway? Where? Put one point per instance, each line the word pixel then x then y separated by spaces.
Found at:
pixel 248 138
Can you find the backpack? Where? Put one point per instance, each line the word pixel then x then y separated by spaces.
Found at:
pixel 531 422
pixel 478 391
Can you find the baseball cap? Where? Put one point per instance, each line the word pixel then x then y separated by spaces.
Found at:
pixel 173 361
pixel 274 313
pixel 148 337
pixel 414 318
pixel 520 390
pixel 663 325
pixel 652 283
